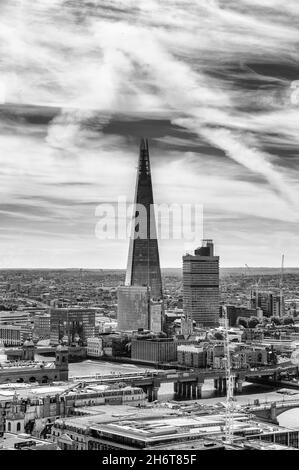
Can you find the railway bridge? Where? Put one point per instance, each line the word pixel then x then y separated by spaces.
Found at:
pixel 188 384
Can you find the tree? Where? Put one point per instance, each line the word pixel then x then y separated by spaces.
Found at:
pixel 275 320
pixel 243 322
pixel 288 320
pixel 218 335
pixel 252 322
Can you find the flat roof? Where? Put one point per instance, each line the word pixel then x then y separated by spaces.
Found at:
pixel 152 424
pixel 9 440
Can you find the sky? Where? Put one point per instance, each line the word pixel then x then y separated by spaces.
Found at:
pixel 211 83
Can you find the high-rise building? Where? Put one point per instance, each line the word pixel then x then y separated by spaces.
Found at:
pixel 140 301
pixel 201 285
pixel 271 303
pixel 143 262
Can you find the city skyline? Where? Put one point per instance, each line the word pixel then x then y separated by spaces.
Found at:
pixel 80 86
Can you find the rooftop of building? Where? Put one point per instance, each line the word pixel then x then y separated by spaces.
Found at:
pixel 11 441
pixel 149 425
pixel 113 413
pixel 253 444
pixel 8 391
pixel 22 365
pixel 198 444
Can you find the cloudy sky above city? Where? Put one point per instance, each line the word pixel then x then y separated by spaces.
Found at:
pixel 211 83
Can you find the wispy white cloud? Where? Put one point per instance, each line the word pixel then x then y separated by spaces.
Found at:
pixel 204 66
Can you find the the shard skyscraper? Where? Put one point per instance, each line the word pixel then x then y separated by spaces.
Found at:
pixel 143 262
pixel 140 301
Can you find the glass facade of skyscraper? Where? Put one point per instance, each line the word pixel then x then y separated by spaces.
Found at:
pixel 201 285
pixel 132 308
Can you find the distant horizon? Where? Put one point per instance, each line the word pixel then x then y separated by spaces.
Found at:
pixel 124 269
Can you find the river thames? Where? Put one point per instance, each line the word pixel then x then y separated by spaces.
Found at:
pixel 250 392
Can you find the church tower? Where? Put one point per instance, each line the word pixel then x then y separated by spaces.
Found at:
pixel 62 362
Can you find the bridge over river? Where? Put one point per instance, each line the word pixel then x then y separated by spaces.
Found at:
pixel 188 384
pixel 269 411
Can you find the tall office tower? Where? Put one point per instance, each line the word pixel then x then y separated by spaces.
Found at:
pixel 143 262
pixel 201 285
pixel 143 276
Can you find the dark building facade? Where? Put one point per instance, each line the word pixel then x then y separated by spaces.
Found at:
pixel 140 301
pixel 143 262
pixel 156 350
pixel 235 312
pixel 271 303
pixel 201 285
pixel 75 324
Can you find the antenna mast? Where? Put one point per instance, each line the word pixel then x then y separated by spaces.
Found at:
pixel 281 285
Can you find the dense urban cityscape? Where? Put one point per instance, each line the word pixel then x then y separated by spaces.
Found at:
pixel 85 354
pixel 149 256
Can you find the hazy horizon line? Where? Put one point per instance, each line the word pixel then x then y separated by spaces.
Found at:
pixel 124 269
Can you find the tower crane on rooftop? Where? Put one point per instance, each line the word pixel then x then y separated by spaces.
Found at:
pixel 230 380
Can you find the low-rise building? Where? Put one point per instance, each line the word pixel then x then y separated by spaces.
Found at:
pixel 42 325
pixel 11 335
pixel 129 428
pixel 29 371
pixel 154 350
pixel 192 356
pixel 95 347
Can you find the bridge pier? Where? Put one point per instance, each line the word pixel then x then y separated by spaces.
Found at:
pixel 180 389
pixel 273 414
pixel 199 390
pixel 155 393
pixel 188 390
pixel 148 391
pixel 152 393
pixel 240 386
pixel 235 385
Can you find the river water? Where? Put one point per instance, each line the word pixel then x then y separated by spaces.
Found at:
pixel 250 392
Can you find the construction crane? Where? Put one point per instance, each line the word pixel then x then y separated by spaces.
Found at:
pixel 281 286
pixel 230 379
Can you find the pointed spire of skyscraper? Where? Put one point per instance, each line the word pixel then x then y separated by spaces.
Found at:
pixel 144 163
pixel 143 262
